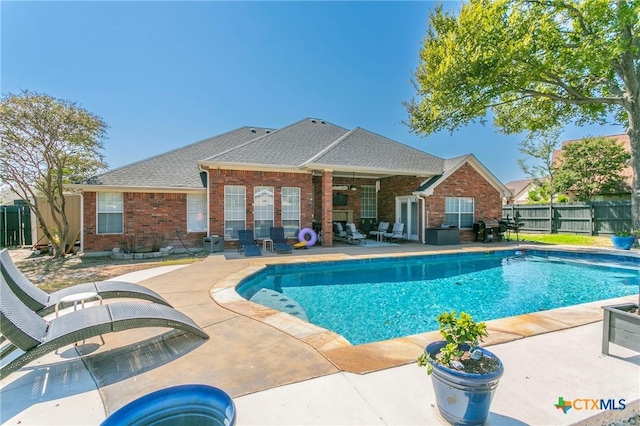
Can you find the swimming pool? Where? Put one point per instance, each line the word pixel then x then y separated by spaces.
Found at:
pixel 378 299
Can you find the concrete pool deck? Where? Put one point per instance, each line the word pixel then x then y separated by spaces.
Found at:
pixel 282 372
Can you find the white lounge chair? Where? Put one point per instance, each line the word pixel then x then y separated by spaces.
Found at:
pixel 382 228
pixel 354 236
pixel 396 233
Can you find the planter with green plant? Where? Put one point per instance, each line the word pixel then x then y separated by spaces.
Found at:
pixel 464 375
pixel 623 240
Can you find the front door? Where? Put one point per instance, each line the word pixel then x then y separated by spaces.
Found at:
pixel 407 213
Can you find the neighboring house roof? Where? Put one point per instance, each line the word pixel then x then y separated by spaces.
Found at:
pixel 451 165
pixel 307 145
pixel 519 187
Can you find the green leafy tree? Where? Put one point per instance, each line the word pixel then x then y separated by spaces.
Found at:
pixel 539 195
pixel 532 65
pixel 539 147
pixel 46 143
pixel 591 167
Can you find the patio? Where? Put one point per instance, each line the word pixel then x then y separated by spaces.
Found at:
pixel 282 375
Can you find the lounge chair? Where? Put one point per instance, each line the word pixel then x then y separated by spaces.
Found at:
pixel 36 336
pixel 354 236
pixel 279 241
pixel 247 243
pixel 44 303
pixel 338 232
pixel 396 233
pixel 382 228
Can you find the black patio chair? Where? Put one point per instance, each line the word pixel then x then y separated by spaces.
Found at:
pixel 247 243
pixel 44 303
pixel 279 241
pixel 25 330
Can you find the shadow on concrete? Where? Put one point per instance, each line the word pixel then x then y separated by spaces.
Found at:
pixel 129 361
pixel 45 383
pixel 57 380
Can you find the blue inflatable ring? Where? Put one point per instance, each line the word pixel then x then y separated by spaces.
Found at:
pixel 313 237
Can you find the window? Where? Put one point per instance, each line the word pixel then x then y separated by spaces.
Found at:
pixel 290 211
pixel 458 212
pixel 197 212
pixel 263 210
pixel 368 206
pixel 110 212
pixel 234 210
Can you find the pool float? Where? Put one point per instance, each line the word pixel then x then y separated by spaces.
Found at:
pixel 307 232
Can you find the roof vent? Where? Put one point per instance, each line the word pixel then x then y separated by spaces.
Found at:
pixel 267 131
pixel 323 122
pixel 313 121
pixel 253 130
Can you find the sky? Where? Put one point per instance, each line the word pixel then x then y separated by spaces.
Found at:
pixel 167 74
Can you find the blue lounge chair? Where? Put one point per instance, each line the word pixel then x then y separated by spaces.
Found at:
pixel 279 241
pixel 247 243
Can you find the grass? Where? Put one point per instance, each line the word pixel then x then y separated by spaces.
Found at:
pixel 567 239
pixel 54 274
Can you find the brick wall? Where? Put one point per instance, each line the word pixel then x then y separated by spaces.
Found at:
pixel 465 182
pixel 219 178
pixel 150 219
pixel 390 188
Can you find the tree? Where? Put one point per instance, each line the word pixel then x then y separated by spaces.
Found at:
pixel 540 146
pixel 590 167
pixel 533 64
pixel 46 143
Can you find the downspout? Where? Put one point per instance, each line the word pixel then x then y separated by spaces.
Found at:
pixel 424 216
pixel 206 171
pixel 81 221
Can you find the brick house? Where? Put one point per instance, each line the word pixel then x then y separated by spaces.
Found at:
pixel 307 174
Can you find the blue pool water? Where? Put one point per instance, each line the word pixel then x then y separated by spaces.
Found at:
pixel 378 299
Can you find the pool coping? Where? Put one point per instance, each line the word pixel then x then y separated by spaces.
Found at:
pixel 376 356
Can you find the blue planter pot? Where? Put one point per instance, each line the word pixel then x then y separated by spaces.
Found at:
pixel 463 398
pixel 622 243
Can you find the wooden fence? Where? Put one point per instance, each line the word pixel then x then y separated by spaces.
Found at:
pixel 15 225
pixel 596 218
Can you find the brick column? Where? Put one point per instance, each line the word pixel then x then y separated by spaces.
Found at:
pixel 327 208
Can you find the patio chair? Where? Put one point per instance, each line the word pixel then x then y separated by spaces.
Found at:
pixel 44 303
pixel 279 241
pixel 354 236
pixel 382 228
pixel 338 232
pixel 36 336
pixel 396 233
pixel 247 243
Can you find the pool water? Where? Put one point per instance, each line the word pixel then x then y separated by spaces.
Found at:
pixel 378 299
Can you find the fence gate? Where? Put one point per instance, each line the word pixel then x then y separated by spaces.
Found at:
pixel 15 225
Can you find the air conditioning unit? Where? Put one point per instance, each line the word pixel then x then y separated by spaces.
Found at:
pixel 340 187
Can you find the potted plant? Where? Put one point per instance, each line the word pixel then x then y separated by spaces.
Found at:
pixel 464 376
pixel 623 240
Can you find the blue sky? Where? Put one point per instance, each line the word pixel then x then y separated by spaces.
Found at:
pixel 167 74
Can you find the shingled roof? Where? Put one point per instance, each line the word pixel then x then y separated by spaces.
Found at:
pixel 307 145
pixel 177 168
pixel 361 149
